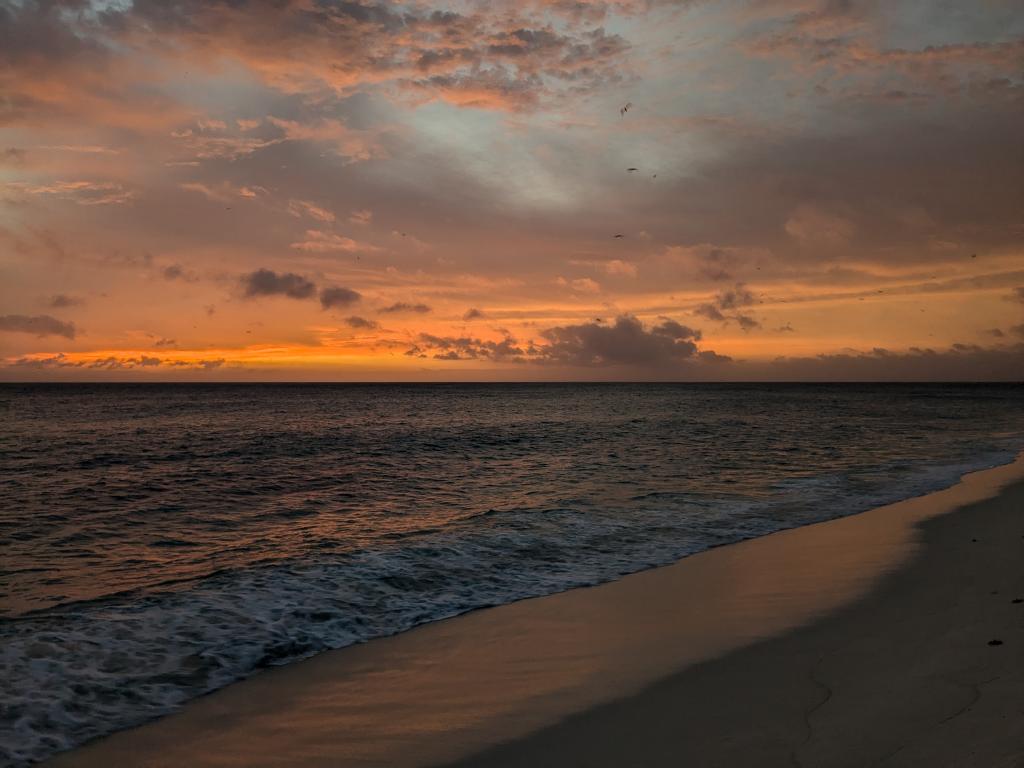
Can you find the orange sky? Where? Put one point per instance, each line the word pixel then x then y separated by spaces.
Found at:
pixel 320 190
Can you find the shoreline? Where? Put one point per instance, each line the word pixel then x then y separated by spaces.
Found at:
pixel 924 669
pixel 451 689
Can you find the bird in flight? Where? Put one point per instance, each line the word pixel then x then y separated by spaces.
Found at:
pixel 626 108
pixel 616 237
pixel 632 169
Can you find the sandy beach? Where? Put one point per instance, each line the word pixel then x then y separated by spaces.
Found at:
pixel 925 671
pixel 886 638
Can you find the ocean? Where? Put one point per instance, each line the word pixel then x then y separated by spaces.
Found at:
pixel 160 541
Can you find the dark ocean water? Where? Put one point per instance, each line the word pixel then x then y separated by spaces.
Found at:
pixel 158 542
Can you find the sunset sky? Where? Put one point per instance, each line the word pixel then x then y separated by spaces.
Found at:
pixel 326 190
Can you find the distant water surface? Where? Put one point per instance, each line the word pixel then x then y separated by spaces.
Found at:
pixel 158 542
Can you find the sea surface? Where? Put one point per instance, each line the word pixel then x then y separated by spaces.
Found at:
pixel 158 542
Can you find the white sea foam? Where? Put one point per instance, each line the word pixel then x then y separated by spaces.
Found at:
pixel 84 670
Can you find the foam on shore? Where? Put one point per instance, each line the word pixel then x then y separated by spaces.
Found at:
pixel 452 688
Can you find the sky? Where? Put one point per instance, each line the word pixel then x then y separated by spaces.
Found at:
pixel 342 190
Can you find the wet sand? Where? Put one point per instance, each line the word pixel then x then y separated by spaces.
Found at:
pixel 909 676
pixel 860 641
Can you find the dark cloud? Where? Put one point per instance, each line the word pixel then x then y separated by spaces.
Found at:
pixel 731 300
pixel 361 322
pixel 502 57
pixel 114 363
pixel 265 282
pixel 960 362
pixel 746 322
pixel 165 343
pixel 710 356
pixel 711 312
pixel 39 325
pixel 178 272
pixel 517 67
pixel 338 297
pixel 401 306
pixel 626 342
pixel 671 329
pixel 714 265
pixel 467 348
pixel 473 314
pixel 856 190
pixel 62 300
pixel 735 298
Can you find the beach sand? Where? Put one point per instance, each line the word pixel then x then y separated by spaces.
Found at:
pixel 860 641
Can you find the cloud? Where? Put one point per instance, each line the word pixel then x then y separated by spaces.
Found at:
pixel 224 192
pixel 473 314
pixel 710 356
pixel 1017 296
pixel 834 49
pixel 326 242
pixel 715 265
pixel 38 325
pixel 80 192
pixel 88 149
pixel 517 67
pixel 63 300
pixel 581 285
pixel 265 282
pixel 746 322
pixel 735 298
pixel 811 157
pixel 361 322
pixel 212 143
pixel 731 300
pixel 619 268
pixel 627 342
pixel 338 297
pixel 178 272
pixel 115 363
pixel 505 57
pixel 206 365
pixel 815 226
pixel 299 208
pixel 711 312
pixel 466 348
pixel 165 343
pixel 960 362
pixel 401 306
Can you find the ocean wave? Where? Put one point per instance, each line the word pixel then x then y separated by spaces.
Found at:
pixel 86 669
